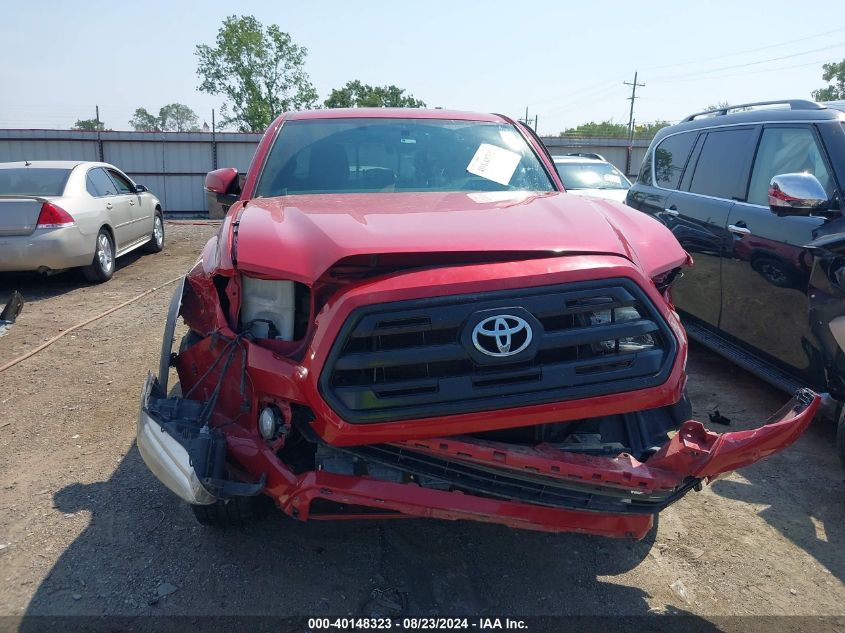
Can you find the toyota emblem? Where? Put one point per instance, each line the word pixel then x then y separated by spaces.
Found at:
pixel 502 335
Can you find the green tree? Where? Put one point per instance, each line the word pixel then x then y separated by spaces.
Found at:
pixel 143 121
pixel 176 117
pixel 648 130
pixel 721 105
pixel 604 128
pixel 833 72
pixel 609 129
pixel 261 72
pixel 89 125
pixel 357 95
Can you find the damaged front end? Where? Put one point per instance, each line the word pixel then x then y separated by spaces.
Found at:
pixel 175 438
pixel 329 428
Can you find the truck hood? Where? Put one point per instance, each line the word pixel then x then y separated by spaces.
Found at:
pixel 301 237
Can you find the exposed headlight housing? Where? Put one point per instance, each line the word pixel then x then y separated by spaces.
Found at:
pixel 622 345
pixel 268 308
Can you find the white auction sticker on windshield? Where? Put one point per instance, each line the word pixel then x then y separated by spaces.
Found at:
pixel 494 163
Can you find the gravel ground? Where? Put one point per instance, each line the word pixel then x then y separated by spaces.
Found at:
pixel 86 529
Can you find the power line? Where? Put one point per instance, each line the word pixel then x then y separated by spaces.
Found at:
pixel 747 50
pixel 587 101
pixel 586 89
pixel 745 74
pixel 762 61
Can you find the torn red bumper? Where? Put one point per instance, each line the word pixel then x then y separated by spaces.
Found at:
pixel 638 489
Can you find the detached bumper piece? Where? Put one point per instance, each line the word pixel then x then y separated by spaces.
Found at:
pixel 187 456
pixel 11 311
pixel 523 486
pixel 542 487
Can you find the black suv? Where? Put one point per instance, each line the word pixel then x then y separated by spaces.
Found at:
pixel 755 193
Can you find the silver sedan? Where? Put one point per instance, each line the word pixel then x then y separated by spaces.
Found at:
pixel 65 214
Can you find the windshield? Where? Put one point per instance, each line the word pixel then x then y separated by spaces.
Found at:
pixel 591 176
pixel 388 155
pixel 33 181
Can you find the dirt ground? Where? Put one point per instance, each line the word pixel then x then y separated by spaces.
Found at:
pixel 86 529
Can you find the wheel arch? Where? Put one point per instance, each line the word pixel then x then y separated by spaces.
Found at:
pixel 108 228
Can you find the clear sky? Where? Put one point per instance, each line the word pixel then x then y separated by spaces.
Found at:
pixel 565 61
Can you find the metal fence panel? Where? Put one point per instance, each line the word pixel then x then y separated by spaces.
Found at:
pixel 237 155
pixel 14 150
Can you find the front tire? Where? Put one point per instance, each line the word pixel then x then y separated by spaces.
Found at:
pixel 156 243
pixel 101 267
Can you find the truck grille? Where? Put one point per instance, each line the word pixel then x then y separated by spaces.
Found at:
pixel 486 351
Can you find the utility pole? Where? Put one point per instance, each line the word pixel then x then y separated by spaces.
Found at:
pixel 213 141
pixel 632 98
pixel 99 138
pixel 535 123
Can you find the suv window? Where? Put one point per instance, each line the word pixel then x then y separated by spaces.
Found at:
pixel 99 184
pixel 645 170
pixel 123 185
pixel 786 150
pixel 722 167
pixel 670 157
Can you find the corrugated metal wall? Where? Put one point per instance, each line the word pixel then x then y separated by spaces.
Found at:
pixel 173 164
pixel 614 150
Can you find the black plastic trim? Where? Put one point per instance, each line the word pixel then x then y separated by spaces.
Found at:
pixel 494 397
pixel 518 486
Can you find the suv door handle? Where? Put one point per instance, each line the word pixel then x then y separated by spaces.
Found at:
pixel 108 205
pixel 131 202
pixel 739 230
pixel 671 211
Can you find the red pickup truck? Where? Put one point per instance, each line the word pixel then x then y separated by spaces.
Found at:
pixel 404 314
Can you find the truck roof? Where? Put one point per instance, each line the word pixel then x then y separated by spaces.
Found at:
pixel 392 113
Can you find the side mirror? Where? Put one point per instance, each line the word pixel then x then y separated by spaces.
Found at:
pixel 140 189
pixel 223 188
pixel 223 181
pixel 797 194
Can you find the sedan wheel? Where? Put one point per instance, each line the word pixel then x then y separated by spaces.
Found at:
pixel 102 268
pixel 156 243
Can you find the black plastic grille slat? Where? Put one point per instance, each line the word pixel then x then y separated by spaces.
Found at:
pixel 410 359
pixel 516 486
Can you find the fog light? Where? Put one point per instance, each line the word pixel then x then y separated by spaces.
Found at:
pixel 269 422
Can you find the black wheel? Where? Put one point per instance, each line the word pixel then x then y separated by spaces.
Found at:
pixel 101 267
pixel 235 512
pixel 156 243
pixel 840 437
pixel 776 272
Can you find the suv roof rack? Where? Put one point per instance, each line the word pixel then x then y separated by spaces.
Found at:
pixel 794 104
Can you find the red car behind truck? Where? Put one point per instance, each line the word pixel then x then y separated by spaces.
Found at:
pixel 403 314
